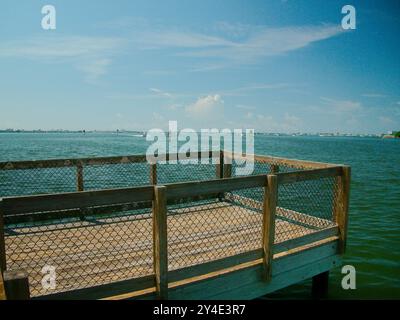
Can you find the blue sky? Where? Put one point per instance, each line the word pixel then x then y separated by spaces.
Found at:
pixel 275 66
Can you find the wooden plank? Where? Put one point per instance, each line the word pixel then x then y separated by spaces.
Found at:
pixel 60 163
pixel 293 163
pixel 204 268
pixel 16 285
pixel 79 177
pixel 241 282
pixel 160 241
pixel 341 206
pixel 94 213
pixel 304 175
pixel 282 280
pixel 105 290
pixel 153 173
pixel 74 200
pixel 196 188
pixel 3 263
pixel 268 228
pixel 303 240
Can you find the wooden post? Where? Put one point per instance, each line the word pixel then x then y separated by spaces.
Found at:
pixel 227 170
pixel 160 244
pixel 3 262
pixel 268 228
pixel 274 168
pixel 341 206
pixel 153 173
pixel 2 289
pixel 320 284
pixel 219 168
pixel 79 177
pixel 16 285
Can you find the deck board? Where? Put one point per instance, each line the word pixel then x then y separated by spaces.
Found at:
pixel 87 254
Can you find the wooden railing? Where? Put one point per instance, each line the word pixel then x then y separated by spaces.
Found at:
pixel 158 197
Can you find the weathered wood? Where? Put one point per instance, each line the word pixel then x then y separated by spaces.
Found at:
pixel 16 285
pixel 3 263
pixel 305 239
pixel 153 173
pixel 60 163
pixel 320 284
pixel 2 290
pixel 104 291
pixel 304 175
pixel 160 242
pixel 196 188
pixel 90 254
pixel 243 281
pixel 274 168
pixel 293 163
pixel 212 266
pixel 75 200
pixel 341 205
pixel 79 177
pixel 268 228
pixel 219 167
pixel 227 170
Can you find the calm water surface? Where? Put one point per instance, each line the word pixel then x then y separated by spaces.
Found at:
pixel 374 224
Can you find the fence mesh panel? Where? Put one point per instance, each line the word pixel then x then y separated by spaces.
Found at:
pixel 85 252
pixel 104 245
pixel 307 204
pixel 37 181
pixel 119 175
pixel 209 230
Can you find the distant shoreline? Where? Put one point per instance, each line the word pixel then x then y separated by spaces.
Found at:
pixel 276 134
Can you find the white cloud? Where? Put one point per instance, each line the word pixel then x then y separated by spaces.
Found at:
pixel 91 55
pixel 161 93
pixel 260 42
pixel 206 106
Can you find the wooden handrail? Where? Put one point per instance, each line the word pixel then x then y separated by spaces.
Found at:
pixel 198 188
pixel 310 174
pixel 73 200
pixel 60 163
pixel 294 163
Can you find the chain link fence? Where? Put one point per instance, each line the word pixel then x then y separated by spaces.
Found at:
pixel 92 247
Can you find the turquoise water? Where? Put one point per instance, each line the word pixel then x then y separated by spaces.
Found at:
pixel 374 224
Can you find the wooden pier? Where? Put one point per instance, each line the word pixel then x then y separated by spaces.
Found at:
pixel 228 237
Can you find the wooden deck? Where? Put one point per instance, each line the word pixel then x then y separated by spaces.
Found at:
pixel 90 253
pixel 215 244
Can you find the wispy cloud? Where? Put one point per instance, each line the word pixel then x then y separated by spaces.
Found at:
pixel 374 95
pixel 340 106
pixel 161 93
pixel 91 55
pixel 255 42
